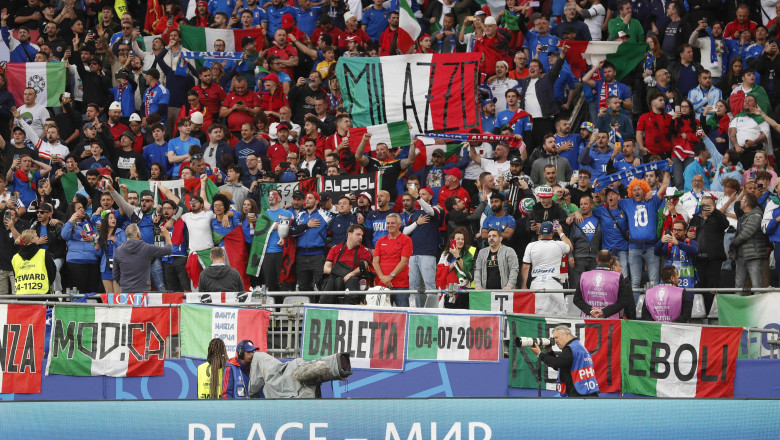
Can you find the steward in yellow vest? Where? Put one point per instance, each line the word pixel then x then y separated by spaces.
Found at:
pixel 34 269
pixel 210 372
pixel 204 382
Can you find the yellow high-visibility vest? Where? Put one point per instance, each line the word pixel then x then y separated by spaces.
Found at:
pixel 31 276
pixel 204 382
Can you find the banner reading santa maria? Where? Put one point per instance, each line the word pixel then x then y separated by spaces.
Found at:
pixel 24 327
pixel 102 341
pixel 200 324
pixel 454 336
pixel 433 92
pixel 601 337
pixel 668 360
pixel 374 338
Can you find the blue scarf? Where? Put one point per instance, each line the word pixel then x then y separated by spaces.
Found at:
pixel 713 47
pixel 630 173
pixel 220 56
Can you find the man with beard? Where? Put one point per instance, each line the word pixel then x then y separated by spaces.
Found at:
pixel 22 50
pixel 311 228
pixel 375 219
pixel 489 118
pixel 389 167
pixel 303 96
pixel 494 46
pixel 711 47
pixel 388 41
pixel 211 94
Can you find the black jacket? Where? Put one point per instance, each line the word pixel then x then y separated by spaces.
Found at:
pixel 709 235
pixel 27 252
pixel 95 86
pixel 544 90
pixel 56 243
pixel 220 279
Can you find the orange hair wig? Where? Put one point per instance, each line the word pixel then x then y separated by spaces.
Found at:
pixel 638 182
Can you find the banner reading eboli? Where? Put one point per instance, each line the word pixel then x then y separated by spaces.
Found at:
pixel 101 341
pixel 374 338
pixel 433 92
pixel 23 327
pixel 758 311
pixel 601 337
pixel 454 336
pixel 668 360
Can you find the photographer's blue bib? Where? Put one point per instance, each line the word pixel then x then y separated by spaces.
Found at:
pixel 583 375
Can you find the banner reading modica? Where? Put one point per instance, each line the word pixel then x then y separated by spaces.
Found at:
pixel 433 92
pixel 374 338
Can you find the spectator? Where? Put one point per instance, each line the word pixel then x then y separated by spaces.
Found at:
pixel 685 72
pixel 741 23
pixel 535 88
pixel 704 97
pixel 674 34
pixel 240 106
pixel 352 29
pixel 422 226
pixel 748 248
pixel 708 228
pixel 713 60
pixel 625 23
pixel 132 262
pixel 604 293
pixel 386 164
pixel 667 302
pixel 608 86
pixel 179 148
pixel 156 97
pixel 391 259
pixel 749 132
pixel 220 277
pixel 545 257
pixel 344 266
pixel 459 259
pixel 613 121
pixel 495 47
pixel 679 251
pixel 311 228
pixel 598 159
pixel 585 240
pixel 653 133
pixel 559 169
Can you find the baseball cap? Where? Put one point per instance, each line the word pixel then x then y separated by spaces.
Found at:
pixel 526 205
pixel 479 13
pixel 247 40
pixel 490 20
pixel 587 126
pixel 454 172
pixel 366 195
pixel 299 194
pixel 245 345
pixel 622 34
pixel 197 118
pixel 326 195
pixel 287 21
pixel 438 152
pixel 497 195
pixel 88 125
pixel 544 191
pixel 516 160
pixel 135 118
pixel 154 73
pixel 115 106
pixel 546 228
pixel 283 125
pixel 271 77
pixel 488 101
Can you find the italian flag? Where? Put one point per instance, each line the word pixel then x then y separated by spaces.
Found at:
pixel 93 341
pixel 540 303
pixel 455 337
pixel 760 311
pixel 625 56
pixel 601 337
pixel 408 27
pixel 667 360
pixel 71 184
pixel 425 148
pixel 394 135
pixel 196 38
pixel 200 324
pixel 48 80
pixel 24 328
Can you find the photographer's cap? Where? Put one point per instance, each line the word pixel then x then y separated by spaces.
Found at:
pixel 546 228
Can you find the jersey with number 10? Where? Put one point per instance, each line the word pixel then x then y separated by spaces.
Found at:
pixel 642 218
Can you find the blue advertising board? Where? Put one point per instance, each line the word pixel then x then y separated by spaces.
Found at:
pixel 394 419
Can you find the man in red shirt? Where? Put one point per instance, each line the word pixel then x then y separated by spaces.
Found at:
pixel 741 23
pixel 240 106
pixel 338 143
pixel 652 130
pixel 493 46
pixel 326 27
pixel 452 187
pixel 391 259
pixel 288 24
pixel 352 28
pixel 354 255
pixel 390 35
pixel 114 118
pixel 277 153
pixel 287 52
pixel 311 131
pixel 211 94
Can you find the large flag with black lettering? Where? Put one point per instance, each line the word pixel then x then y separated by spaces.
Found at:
pixel 433 92
pixel 200 324
pixel 668 360
pixel 23 327
pixel 601 337
pixel 374 338
pixel 101 341
pixel 762 311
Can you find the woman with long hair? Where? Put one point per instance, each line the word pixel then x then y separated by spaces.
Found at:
pixel 157 172
pixel 34 268
pixel 227 232
pixel 760 163
pixel 249 214
pixel 335 102
pixel 458 262
pixel 111 237
pixel 83 255
pixel 717 126
pixel 210 372
pixel 685 131
pixel 732 79
pixel 262 125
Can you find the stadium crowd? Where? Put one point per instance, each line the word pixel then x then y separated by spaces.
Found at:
pixel 704 98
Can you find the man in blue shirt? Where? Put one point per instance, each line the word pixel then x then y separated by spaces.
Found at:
pixel 311 228
pixel 598 159
pixel 274 251
pixel 375 20
pixel 258 13
pixel 179 148
pixel 23 180
pixel 567 144
pixel 342 221
pixel 489 118
pixel 540 36
pixel 375 220
pixel 22 51
pixel 423 228
pixel 499 219
pixel 608 86
pixel 157 151
pixel 274 14
pixel 307 16
pixel 156 97
pixel 247 145
pixel 614 228
pixel 642 229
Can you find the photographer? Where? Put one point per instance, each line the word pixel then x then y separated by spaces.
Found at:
pixel 572 362
pixel 343 267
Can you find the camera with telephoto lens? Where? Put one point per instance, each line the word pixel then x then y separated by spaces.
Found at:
pixel 530 342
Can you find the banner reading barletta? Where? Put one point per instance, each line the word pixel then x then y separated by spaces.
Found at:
pixel 454 337
pixel 200 324
pixel 374 338
pixel 24 327
pixel 601 337
pixel 433 92
pixel 668 360
pixel 101 341
pixel 762 311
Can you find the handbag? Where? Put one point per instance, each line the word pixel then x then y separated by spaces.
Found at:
pixel 341 269
pixel 444 275
pixel 378 299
